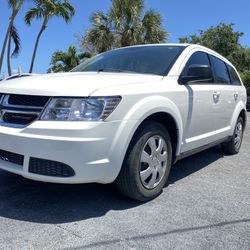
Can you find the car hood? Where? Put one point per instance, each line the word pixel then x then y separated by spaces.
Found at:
pixel 71 84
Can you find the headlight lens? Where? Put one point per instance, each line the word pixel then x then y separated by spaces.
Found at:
pixel 80 109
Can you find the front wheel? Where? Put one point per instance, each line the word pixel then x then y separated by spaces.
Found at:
pixel 234 144
pixel 147 163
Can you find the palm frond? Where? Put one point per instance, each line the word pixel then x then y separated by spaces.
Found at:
pixel 101 36
pixel 65 61
pixel 100 18
pixel 85 55
pixel 16 4
pixel 12 3
pixel 126 13
pixel 152 32
pixel 32 14
pixel 49 8
pixel 16 40
pixel 64 10
pixel 57 56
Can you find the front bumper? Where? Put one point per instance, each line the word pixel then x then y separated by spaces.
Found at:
pixel 94 150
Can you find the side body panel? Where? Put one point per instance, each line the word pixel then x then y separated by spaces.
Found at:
pixel 213 108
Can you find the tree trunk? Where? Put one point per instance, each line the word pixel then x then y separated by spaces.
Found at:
pixel 14 13
pixel 4 46
pixel 8 54
pixel 124 40
pixel 36 46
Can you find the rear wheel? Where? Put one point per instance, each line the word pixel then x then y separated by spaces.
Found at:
pixel 234 144
pixel 147 163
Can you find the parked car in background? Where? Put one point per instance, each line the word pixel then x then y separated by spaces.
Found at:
pixel 124 116
pixel 248 103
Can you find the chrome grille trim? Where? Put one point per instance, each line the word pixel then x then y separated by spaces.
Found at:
pixel 18 115
pixel 19 112
pixel 5 103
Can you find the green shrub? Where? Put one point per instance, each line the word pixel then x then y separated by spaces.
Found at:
pixel 245 76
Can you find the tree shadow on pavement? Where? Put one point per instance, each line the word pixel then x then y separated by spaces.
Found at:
pixel 27 200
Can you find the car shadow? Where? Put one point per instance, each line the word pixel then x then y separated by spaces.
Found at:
pixel 27 200
pixel 194 163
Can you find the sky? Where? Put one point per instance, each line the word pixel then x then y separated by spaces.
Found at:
pixel 181 18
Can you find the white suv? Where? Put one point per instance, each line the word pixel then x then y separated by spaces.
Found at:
pixel 125 115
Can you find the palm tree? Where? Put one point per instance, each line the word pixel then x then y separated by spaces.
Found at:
pixel 15 5
pixel 13 36
pixel 151 31
pixel 125 24
pixel 126 16
pixel 100 38
pixel 65 61
pixel 46 9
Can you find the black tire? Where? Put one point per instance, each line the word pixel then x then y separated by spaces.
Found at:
pixel 231 147
pixel 129 181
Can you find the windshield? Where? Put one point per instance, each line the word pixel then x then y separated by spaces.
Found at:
pixel 156 60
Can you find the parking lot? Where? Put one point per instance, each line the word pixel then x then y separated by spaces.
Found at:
pixel 205 206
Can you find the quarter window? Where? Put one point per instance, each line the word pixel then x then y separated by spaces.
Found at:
pixel 220 70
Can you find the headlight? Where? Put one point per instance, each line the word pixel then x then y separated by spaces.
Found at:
pixel 80 109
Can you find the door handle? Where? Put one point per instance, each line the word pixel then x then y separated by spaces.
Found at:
pixel 236 96
pixel 216 96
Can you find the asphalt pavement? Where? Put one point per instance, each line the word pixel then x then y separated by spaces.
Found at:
pixel 205 206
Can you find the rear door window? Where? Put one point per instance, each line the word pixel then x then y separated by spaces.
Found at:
pixel 221 73
pixel 235 80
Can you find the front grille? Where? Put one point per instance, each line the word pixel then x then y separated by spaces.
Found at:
pixel 28 100
pixel 11 157
pixel 20 110
pixel 50 168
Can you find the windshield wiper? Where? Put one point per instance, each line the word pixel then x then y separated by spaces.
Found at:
pixel 116 70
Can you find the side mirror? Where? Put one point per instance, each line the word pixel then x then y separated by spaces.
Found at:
pixel 196 74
